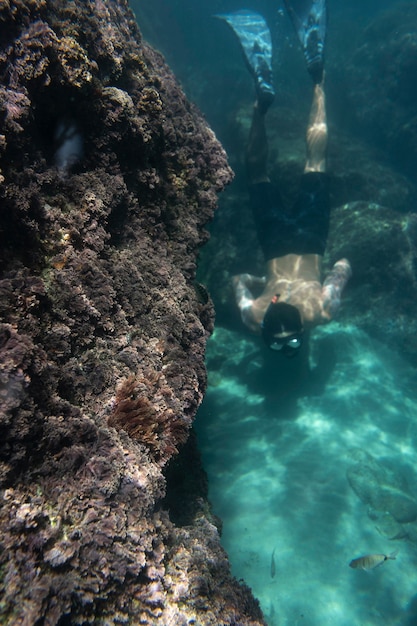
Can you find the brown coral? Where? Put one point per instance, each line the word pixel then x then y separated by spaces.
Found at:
pixel 145 420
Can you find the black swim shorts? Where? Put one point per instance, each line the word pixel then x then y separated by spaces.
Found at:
pixel 301 230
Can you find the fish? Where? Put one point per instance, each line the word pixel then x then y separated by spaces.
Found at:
pixel 202 293
pixel 370 561
pixel 273 568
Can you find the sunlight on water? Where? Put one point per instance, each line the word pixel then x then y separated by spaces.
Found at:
pixel 311 488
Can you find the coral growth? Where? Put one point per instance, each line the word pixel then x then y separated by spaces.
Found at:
pixel 148 417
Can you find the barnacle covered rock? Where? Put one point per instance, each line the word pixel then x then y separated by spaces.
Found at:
pixel 102 334
pixel 74 62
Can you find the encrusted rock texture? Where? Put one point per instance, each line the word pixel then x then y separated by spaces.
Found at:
pixel 102 333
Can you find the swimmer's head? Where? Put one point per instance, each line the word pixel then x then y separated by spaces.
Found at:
pixel 282 328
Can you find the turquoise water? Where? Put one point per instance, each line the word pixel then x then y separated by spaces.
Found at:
pixel 309 467
pixel 278 471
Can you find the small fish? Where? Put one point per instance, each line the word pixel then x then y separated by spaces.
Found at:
pixel 202 293
pixel 273 569
pixel 370 561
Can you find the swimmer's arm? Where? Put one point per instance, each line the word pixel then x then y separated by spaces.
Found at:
pixel 242 285
pixel 333 286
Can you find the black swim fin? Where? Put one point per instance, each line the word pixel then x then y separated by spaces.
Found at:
pixel 253 33
pixel 310 21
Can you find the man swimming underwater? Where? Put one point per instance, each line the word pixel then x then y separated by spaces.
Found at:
pixel 293 299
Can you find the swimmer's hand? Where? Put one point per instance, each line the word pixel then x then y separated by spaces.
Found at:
pixel 242 285
pixel 333 286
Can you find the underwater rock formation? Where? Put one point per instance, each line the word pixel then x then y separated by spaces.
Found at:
pixel 382 293
pixel 383 86
pixel 385 491
pixel 108 176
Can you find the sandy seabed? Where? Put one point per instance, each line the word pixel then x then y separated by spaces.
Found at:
pixel 306 485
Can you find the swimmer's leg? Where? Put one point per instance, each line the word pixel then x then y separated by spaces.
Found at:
pixel 257 148
pixel 317 133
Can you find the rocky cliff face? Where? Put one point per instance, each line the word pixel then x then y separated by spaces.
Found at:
pixel 108 176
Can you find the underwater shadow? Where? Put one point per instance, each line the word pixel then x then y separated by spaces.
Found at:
pixel 282 381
